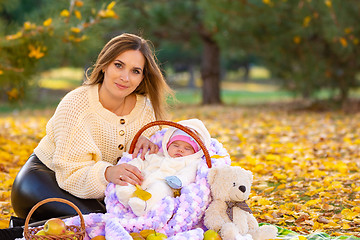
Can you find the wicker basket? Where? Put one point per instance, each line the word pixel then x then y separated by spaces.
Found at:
pixel 172 124
pixel 79 232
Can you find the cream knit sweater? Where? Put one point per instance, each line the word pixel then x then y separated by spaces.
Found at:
pixel 83 138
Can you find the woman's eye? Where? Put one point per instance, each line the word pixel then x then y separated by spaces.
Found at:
pixel 136 72
pixel 118 65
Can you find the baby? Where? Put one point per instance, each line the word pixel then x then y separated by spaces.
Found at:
pixel 173 167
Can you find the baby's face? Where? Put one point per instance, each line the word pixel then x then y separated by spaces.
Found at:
pixel 180 149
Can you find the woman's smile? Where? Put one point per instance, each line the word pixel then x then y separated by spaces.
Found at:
pixel 120 86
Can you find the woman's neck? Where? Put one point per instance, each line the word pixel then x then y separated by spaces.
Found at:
pixel 120 107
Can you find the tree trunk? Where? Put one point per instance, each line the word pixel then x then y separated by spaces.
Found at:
pixel 210 72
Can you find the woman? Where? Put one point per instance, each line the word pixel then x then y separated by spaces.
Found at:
pixel 91 128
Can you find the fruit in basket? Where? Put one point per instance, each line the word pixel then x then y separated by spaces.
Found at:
pixel 71 233
pixel 55 226
pixel 144 233
pixel 156 236
pixel 211 235
pixel 41 233
pixel 136 236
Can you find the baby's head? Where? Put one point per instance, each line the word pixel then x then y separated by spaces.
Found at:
pixel 181 144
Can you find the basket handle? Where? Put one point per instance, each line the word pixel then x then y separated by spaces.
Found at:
pixel 172 124
pixel 26 227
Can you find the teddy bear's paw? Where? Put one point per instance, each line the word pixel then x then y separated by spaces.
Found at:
pixel 229 231
pixel 138 206
pixel 265 232
pixel 244 237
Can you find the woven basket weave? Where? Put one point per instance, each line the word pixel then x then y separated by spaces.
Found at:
pixel 79 232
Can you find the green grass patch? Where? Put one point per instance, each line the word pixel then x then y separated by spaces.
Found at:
pixel 62 78
pixel 188 96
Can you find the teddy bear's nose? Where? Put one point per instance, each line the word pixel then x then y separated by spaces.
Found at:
pixel 242 188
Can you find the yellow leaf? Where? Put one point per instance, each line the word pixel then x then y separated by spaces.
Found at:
pixel 35 52
pixel 297 39
pixel 348 30
pixel 217 156
pixel 328 3
pixel 1 72
pixel 111 5
pixel 346 226
pixel 14 36
pixel 302 238
pixel 77 14
pixel 306 21
pixel 65 13
pixel 47 22
pixel 79 3
pixel 75 29
pixel 264 202
pixel 28 25
pixel 268 2
pixel 313 202
pixel 142 194
pixel 13 93
pixel 343 42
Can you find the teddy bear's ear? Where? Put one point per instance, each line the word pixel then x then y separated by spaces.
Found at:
pixel 250 174
pixel 212 173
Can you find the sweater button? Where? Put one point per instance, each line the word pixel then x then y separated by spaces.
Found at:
pixel 121 147
pixel 122 132
pixel 122 121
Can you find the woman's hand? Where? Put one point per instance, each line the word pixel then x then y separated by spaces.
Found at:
pixel 144 144
pixel 123 174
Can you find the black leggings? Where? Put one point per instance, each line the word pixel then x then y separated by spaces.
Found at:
pixel 36 182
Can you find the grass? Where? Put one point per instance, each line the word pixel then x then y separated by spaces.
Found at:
pixel 62 78
pixel 237 97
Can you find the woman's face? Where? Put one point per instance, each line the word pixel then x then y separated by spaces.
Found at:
pixel 124 74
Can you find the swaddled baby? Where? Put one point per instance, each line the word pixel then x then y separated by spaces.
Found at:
pixel 173 167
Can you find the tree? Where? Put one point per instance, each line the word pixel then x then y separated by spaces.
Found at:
pixel 23 52
pixel 180 21
pixel 308 45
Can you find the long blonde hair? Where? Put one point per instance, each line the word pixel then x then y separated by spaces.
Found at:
pixel 153 85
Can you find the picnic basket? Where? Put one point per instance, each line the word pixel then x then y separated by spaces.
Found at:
pixel 79 232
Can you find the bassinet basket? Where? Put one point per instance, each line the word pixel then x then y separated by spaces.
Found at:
pixel 172 215
pixel 172 124
pixel 79 232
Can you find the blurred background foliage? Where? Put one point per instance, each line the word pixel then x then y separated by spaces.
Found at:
pixel 308 47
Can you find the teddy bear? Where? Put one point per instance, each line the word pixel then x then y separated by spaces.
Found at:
pixel 228 212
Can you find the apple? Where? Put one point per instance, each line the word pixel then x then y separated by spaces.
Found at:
pixel 211 235
pixel 55 226
pixel 41 233
pixel 156 236
pixel 136 236
pixel 144 233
